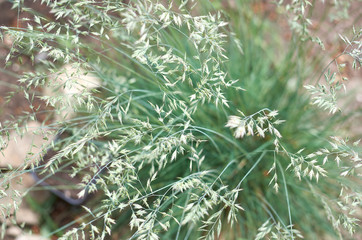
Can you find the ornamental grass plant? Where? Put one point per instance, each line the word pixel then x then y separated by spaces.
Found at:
pixel 205 122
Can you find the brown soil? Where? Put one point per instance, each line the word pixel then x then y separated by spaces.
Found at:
pixel 61 181
pixel 13 104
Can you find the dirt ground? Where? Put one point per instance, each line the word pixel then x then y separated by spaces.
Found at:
pixel 13 104
pixel 12 101
pixel 8 79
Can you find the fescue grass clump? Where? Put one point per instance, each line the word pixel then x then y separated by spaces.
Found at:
pixel 200 126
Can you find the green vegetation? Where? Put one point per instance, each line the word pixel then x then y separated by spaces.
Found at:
pixel 200 126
